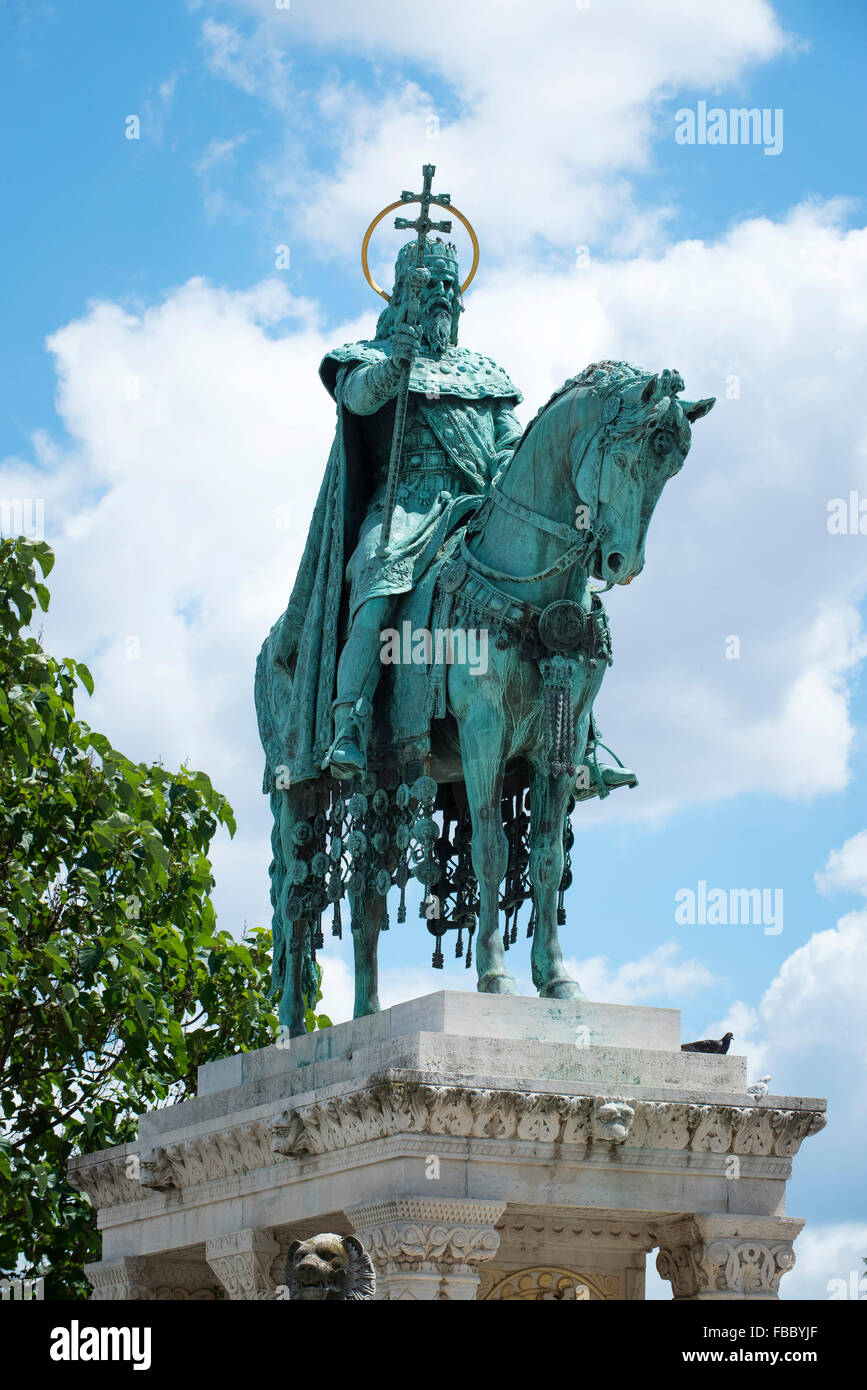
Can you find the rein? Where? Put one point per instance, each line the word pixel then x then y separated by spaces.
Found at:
pixel 574 552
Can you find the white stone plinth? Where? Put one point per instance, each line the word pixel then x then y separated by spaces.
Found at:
pixel 481 1146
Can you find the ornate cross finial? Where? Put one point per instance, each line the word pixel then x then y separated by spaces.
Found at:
pixel 422 224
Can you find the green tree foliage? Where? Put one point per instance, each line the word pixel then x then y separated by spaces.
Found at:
pixel 115 983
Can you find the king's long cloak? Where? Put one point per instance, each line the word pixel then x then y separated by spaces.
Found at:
pixel 297 665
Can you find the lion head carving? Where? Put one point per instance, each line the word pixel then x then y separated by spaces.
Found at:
pixel 329 1267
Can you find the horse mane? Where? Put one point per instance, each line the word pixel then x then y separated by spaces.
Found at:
pixel 604 378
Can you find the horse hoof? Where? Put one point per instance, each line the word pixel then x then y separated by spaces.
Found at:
pixel 562 989
pixel 494 983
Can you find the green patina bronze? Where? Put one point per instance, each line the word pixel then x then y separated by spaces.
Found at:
pixel 433 768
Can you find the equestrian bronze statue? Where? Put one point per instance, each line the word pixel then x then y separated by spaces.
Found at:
pixel 426 700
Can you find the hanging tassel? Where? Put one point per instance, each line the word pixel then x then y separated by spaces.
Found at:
pixel 459 944
pixel 336 923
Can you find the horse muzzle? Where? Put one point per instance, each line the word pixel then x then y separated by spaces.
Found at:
pixel 616 570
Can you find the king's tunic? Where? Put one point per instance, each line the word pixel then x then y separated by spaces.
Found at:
pixel 460 429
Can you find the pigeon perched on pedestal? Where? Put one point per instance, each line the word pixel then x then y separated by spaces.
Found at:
pixel 708 1044
pixel 760 1087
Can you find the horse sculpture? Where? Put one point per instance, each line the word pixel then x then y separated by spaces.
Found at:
pixel 573 505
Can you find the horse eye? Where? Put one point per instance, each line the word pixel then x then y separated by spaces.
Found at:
pixel 663 442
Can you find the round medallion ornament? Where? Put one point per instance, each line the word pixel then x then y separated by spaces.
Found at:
pixel 424 789
pixel 563 626
pixel 453 576
pixel 356 843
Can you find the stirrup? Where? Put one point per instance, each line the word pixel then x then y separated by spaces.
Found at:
pixel 599 787
pixel 351 729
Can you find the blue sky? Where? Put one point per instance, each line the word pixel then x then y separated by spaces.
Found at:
pixel 152 261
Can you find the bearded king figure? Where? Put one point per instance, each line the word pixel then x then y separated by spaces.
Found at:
pixel 459 433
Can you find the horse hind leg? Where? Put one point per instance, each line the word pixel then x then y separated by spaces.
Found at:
pixel 549 797
pixel 292 940
pixel 367 908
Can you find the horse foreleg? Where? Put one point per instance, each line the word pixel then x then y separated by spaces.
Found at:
pixel 482 736
pixel 292 1013
pixel 549 797
pixel 367 909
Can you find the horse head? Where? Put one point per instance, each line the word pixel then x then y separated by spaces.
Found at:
pixel 629 434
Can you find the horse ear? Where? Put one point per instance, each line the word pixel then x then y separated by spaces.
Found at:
pixel 694 410
pixel 649 390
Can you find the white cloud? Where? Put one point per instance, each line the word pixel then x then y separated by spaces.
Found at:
pixel 217 157
pixel 660 975
pixel 830 1263
pixel 217 151
pixel 846 869
pixel 542 111
pixel 809 1028
pixel 255 65
pixel 157 108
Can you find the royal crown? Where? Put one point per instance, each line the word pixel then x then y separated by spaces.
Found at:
pixel 437 253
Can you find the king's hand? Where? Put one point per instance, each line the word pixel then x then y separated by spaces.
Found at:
pixel 417 279
pixel 405 342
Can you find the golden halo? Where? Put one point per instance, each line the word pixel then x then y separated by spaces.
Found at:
pixel 449 207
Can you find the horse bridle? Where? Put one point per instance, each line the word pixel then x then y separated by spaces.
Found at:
pixel 576 550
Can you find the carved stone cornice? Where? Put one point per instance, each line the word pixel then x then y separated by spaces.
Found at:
pixel 399 1104
pixel 108 1179
pixel 707 1257
pixel 206 1157
pixel 394 1106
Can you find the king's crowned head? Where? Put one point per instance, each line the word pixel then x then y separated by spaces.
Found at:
pixel 440 305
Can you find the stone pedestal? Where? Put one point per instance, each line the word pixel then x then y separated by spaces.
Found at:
pixel 481 1147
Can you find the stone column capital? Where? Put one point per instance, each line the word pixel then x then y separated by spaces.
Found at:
pixel 242 1262
pixel 428 1248
pixel 706 1256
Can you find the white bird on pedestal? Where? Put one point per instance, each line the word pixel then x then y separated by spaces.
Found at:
pixel 760 1087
